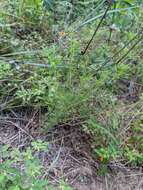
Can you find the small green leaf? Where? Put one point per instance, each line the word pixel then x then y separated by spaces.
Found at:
pixel 2 178
pixel 14 188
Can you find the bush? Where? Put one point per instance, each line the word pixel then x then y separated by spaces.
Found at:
pixel 65 83
pixel 21 170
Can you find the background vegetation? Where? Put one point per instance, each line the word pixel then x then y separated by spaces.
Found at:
pixel 42 67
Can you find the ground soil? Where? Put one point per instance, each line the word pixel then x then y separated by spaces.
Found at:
pixel 69 155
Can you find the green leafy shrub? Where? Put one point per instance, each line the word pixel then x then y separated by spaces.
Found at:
pixel 4 70
pixel 73 86
pixel 23 171
pixel 26 178
pixel 30 10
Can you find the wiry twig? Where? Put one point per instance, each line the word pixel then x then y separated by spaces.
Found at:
pixel 140 184
pixel 118 52
pixel 133 46
pixel 24 131
pixel 90 41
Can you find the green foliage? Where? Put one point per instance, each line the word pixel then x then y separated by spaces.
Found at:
pixel 14 178
pixel 134 142
pixel 30 10
pixel 23 171
pixel 4 70
pixel 106 148
pixel 55 76
pixel 64 186
pixel 133 156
